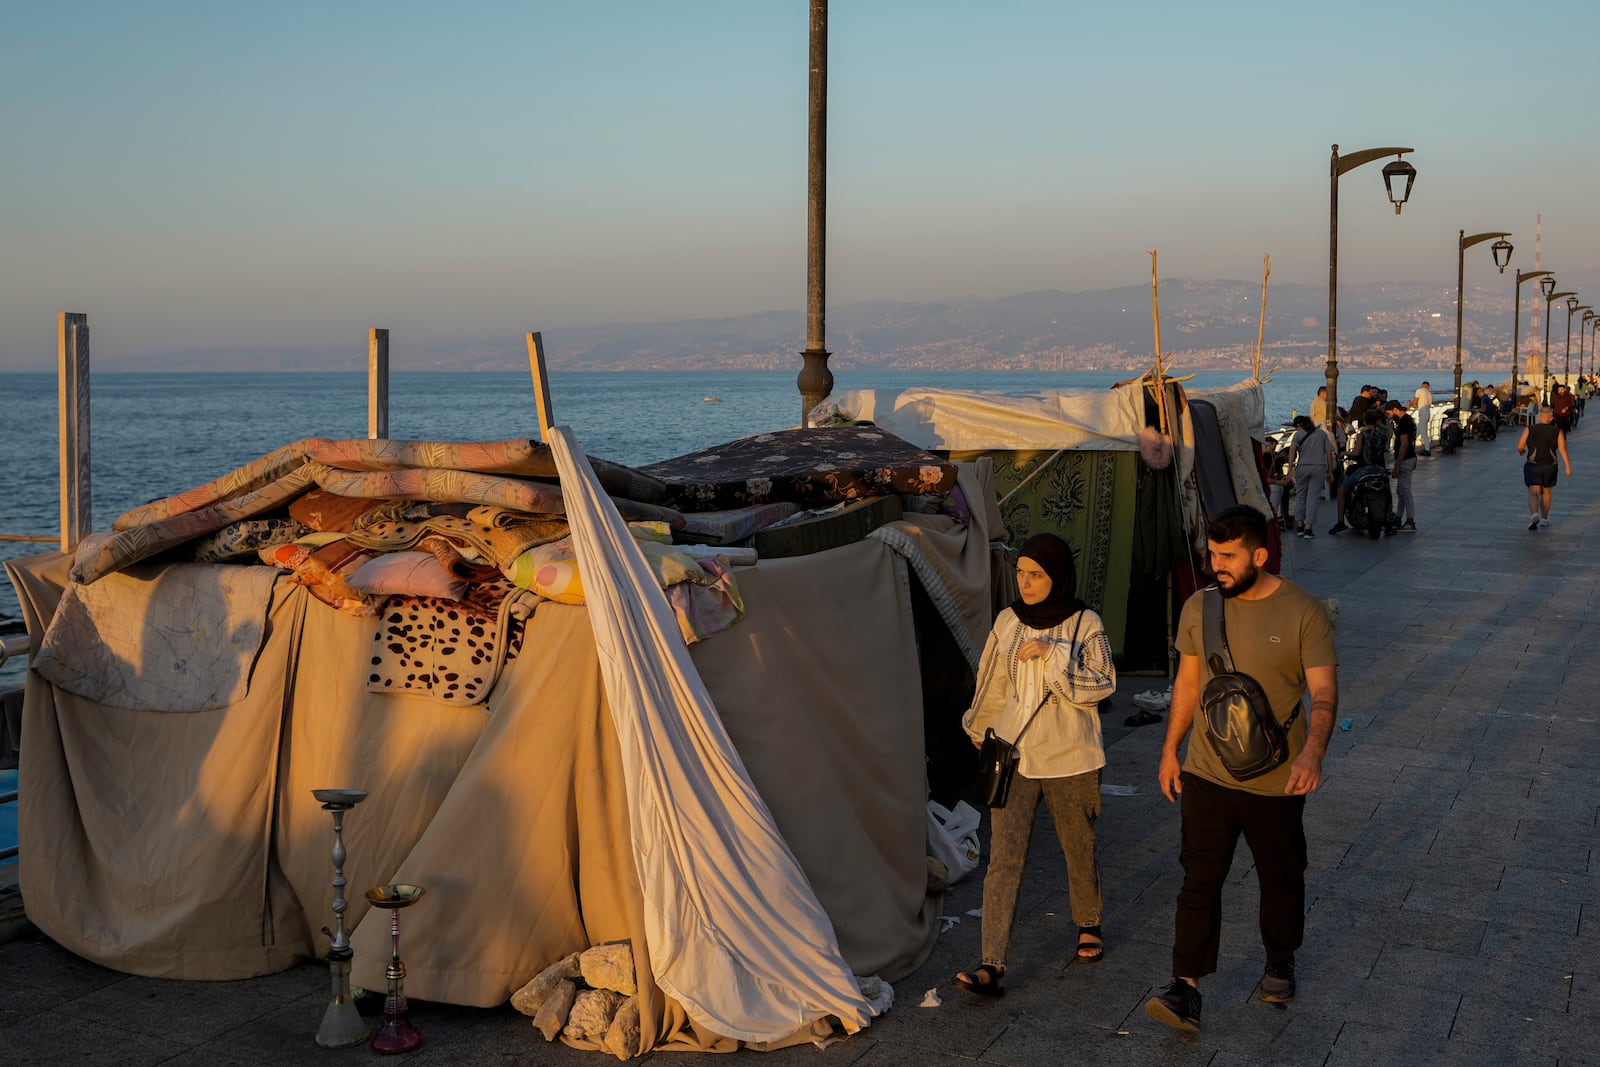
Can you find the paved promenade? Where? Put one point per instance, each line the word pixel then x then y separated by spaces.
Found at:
pixel 1454 895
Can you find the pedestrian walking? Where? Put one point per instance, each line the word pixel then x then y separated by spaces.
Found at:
pixel 1315 461
pixel 1422 406
pixel 1541 443
pixel 1044 669
pixel 1405 465
pixel 1278 634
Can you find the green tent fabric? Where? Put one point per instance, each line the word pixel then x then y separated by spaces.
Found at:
pixel 1085 497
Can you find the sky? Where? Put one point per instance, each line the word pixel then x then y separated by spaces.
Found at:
pixel 197 175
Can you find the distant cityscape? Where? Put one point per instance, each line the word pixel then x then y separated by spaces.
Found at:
pixel 1205 325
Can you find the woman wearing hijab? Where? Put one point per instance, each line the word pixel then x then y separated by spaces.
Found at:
pixel 1045 667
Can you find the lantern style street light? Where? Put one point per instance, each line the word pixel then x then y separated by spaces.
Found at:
pixel 1550 298
pixel 1573 307
pixel 1501 250
pixel 1516 318
pixel 1392 173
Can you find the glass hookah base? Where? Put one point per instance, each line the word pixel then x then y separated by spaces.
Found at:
pixel 396 1035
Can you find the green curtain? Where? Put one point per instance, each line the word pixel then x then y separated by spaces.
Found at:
pixel 1086 498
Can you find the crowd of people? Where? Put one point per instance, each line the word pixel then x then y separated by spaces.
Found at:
pixel 1330 452
pixel 1048 663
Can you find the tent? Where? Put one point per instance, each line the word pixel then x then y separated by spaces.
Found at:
pixel 168 829
pixel 1067 461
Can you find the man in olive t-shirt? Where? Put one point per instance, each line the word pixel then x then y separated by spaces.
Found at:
pixel 1278 634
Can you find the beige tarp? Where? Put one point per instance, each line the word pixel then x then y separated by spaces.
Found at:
pixel 1106 420
pixel 190 846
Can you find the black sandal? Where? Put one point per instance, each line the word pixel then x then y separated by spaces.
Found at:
pixel 983 981
pixel 1090 951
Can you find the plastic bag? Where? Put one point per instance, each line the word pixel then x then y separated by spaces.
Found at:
pixel 953 837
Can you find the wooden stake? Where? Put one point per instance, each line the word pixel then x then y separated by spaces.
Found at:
pixel 1155 318
pixel 1261 328
pixel 72 413
pixel 541 384
pixel 377 384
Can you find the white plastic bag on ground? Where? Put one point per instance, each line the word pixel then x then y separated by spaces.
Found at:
pixel 953 837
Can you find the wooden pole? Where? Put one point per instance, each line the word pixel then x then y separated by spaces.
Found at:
pixel 1261 328
pixel 377 384
pixel 1155 317
pixel 72 414
pixel 541 384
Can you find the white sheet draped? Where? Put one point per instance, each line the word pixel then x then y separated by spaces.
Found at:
pixel 734 930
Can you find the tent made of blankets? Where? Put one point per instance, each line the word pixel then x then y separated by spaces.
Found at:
pixel 1068 461
pixel 178 714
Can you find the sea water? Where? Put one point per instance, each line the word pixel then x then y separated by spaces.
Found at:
pixel 153 435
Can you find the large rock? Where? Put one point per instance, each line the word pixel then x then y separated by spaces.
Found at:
pixel 622 1040
pixel 552 1014
pixel 592 1013
pixel 528 999
pixel 609 967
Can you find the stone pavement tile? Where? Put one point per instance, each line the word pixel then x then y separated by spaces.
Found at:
pixel 1584 888
pixel 187 1011
pixel 1589 923
pixel 1539 947
pixel 1572 857
pixel 872 1054
pixel 1585 998
pixel 1403 756
pixel 1307 1041
pixel 1475 829
pixel 1446 869
pixel 1362 1044
pixel 1547 988
pixel 1519 1030
pixel 37 974
pixel 1549 911
pixel 1377 925
pixel 1420 1009
pixel 50 1039
pixel 1142 1041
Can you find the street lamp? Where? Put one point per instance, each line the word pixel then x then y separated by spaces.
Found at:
pixel 1395 170
pixel 1573 307
pixel 1550 298
pixel 1516 318
pixel 1583 325
pixel 1501 250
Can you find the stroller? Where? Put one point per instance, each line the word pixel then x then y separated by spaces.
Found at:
pixel 1370 506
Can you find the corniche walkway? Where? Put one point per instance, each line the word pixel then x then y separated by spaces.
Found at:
pixel 1454 891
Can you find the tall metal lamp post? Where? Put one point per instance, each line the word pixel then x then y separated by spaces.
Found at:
pixel 1516 318
pixel 1501 250
pixel 1583 324
pixel 1339 165
pixel 1550 298
pixel 1573 307
pixel 815 380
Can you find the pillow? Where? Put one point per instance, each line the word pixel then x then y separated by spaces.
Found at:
pixel 407 574
pixel 325 571
pixel 245 537
pixel 322 510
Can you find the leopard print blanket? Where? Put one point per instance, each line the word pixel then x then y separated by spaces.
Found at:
pixel 450 651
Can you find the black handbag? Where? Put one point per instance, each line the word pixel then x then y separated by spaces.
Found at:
pixel 1235 715
pixel 998 758
pixel 997 765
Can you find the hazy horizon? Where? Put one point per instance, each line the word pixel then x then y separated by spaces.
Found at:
pixel 195 177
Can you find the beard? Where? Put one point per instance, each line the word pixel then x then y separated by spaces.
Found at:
pixel 1241 582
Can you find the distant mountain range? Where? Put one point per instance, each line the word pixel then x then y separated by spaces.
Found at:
pixel 1205 324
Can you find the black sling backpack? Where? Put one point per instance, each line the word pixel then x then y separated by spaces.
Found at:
pixel 1236 717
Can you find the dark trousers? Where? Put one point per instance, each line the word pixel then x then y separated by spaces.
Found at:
pixel 1213 819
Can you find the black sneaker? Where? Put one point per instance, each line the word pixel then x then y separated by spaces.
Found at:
pixel 1339 527
pixel 1178 1007
pixel 1277 983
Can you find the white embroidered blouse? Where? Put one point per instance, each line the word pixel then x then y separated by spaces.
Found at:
pixel 1064 686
